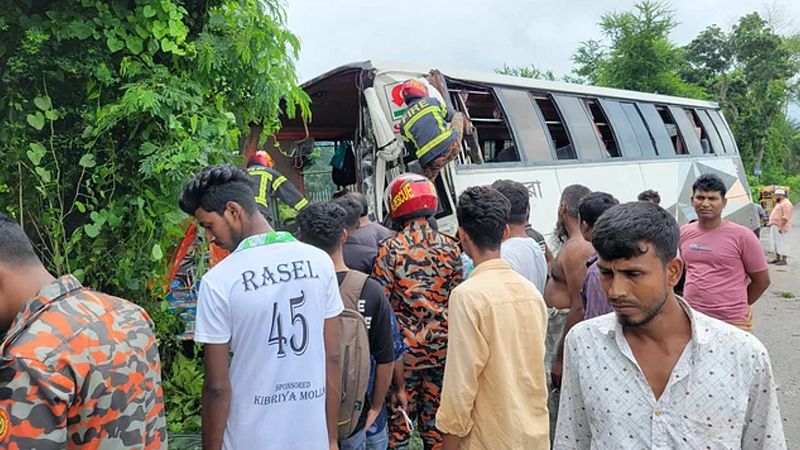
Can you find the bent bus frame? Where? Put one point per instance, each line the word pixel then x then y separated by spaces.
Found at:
pixel 546 135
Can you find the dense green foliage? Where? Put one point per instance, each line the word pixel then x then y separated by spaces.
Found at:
pixel 528 72
pixel 107 107
pixel 637 53
pixel 751 70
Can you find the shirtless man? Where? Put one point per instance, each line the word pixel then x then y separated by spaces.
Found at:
pixel 563 290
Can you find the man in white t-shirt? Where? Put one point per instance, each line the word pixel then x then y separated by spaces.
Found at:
pixel 523 253
pixel 273 303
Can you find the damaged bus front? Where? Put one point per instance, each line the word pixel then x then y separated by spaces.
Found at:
pixel 545 135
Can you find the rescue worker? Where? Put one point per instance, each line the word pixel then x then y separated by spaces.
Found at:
pixel 79 369
pixel 269 182
pixel 266 182
pixel 418 268
pixel 430 129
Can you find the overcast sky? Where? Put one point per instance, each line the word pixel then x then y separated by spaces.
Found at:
pixel 480 34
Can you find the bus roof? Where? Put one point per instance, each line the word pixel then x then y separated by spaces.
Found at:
pixel 494 79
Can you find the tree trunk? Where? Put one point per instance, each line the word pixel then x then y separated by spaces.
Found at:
pixel 250 145
pixel 723 88
pixel 723 97
pixel 762 142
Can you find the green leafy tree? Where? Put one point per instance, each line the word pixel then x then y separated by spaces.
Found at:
pixel 751 71
pixel 589 59
pixel 768 63
pixel 530 71
pixel 107 107
pixel 709 59
pixel 637 53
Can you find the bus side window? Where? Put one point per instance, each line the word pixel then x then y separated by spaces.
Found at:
pixel 582 130
pixel 527 125
pixel 603 127
pixel 486 115
pixel 443 209
pixel 555 126
pixel 723 130
pixel 647 142
pixel 709 138
pixel 673 131
pixel 630 131
pixel 688 129
pixel 657 129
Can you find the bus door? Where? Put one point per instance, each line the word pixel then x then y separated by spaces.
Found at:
pixel 386 170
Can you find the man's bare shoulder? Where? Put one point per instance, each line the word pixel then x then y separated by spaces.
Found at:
pixel 576 251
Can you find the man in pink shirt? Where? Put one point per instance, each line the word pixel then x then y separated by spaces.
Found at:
pixel 780 222
pixel 720 257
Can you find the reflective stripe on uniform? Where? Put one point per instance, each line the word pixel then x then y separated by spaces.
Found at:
pixel 445 132
pixel 416 117
pixel 278 182
pixel 264 181
pixel 408 137
pixel 434 142
pixel 301 204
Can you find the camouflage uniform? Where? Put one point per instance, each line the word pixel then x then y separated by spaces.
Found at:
pixel 80 370
pixel 419 268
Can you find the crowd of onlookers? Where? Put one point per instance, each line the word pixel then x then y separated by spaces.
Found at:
pixel 352 335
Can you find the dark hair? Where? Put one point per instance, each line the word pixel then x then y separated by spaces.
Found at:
pixel 483 214
pixel 572 196
pixel 214 187
pixel 517 195
pixel 16 249
pixel 708 182
pixel 322 225
pixel 594 205
pixel 621 231
pixel 650 196
pixel 353 209
pixel 362 199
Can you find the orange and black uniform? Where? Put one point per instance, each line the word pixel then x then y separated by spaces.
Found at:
pixel 418 268
pixel 80 370
pixel 432 132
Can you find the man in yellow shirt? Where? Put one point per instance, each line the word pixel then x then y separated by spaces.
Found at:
pixel 495 393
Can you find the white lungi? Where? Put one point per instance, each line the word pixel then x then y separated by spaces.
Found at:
pixel 780 241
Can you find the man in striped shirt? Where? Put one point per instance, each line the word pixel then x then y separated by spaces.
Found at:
pixel 594 298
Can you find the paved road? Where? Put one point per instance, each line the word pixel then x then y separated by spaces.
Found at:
pixel 777 324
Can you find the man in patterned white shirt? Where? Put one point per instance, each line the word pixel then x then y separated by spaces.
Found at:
pixel 657 374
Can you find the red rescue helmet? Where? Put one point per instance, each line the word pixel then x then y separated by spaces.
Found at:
pixel 261 157
pixel 411 195
pixel 414 89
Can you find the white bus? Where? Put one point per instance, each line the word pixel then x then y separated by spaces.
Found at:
pixel 551 135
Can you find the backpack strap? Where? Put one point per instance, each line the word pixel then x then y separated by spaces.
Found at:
pixel 351 288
